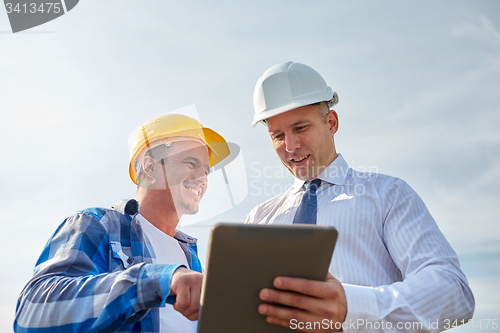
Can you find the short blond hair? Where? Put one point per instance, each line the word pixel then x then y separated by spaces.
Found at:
pixel 158 153
pixel 323 109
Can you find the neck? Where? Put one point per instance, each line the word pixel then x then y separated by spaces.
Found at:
pixel 158 208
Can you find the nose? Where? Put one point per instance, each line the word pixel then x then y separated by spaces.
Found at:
pixel 200 177
pixel 203 180
pixel 292 143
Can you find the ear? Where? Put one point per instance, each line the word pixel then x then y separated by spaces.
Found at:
pixel 332 119
pixel 148 166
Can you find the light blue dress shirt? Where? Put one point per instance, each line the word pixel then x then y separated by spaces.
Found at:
pixel 394 263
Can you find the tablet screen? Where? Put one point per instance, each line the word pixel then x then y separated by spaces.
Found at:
pixel 244 258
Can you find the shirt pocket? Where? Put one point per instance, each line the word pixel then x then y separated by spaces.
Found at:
pixel 122 254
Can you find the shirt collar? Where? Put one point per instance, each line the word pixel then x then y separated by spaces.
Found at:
pixel 335 173
pixel 131 207
pixel 127 207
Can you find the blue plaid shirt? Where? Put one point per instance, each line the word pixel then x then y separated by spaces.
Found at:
pixel 96 275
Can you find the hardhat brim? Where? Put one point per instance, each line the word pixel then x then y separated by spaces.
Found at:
pixel 327 95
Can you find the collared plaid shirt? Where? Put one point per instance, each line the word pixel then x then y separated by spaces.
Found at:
pixel 96 274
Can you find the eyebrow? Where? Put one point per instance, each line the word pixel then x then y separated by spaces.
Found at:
pixel 297 123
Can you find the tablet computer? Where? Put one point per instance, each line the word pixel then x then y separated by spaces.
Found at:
pixel 244 258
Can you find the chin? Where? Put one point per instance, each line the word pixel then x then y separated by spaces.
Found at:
pixel 193 211
pixel 303 174
pixel 189 209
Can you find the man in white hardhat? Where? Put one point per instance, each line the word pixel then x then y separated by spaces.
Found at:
pixel 392 269
pixel 128 269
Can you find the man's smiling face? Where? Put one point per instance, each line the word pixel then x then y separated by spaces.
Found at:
pixel 303 140
pixel 186 170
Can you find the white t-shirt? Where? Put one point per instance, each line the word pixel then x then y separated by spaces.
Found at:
pixel 168 251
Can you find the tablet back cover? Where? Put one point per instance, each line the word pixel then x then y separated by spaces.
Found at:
pixel 243 259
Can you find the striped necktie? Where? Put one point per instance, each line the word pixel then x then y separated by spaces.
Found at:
pixel 307 211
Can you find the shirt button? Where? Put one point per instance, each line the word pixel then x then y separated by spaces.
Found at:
pixel 121 317
pixel 158 299
pixel 130 261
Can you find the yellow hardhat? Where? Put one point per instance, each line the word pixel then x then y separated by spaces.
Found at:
pixel 169 128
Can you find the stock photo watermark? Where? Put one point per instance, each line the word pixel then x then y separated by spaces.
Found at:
pixel 26 14
pixel 272 180
pixel 362 324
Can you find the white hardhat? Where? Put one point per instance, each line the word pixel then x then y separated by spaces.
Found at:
pixel 288 86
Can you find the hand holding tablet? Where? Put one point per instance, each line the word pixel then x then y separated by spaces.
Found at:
pixel 305 301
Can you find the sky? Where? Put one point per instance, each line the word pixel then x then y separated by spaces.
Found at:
pixel 418 85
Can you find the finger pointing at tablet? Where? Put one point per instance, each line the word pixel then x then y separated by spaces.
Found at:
pixel 186 285
pixel 305 301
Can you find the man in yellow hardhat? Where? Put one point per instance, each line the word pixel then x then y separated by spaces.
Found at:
pixel 392 270
pixel 127 269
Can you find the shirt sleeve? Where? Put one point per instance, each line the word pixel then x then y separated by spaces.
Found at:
pixel 73 291
pixel 434 291
pixel 250 217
